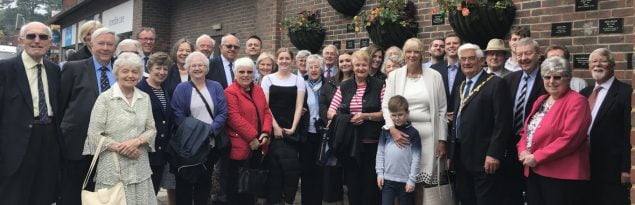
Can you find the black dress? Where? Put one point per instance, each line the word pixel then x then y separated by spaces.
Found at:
pixel 282 160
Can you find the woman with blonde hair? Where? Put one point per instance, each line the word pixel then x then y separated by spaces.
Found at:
pixel 85 33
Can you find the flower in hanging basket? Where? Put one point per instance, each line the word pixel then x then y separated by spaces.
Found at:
pixel 392 11
pixel 465 12
pixel 304 21
pixel 453 6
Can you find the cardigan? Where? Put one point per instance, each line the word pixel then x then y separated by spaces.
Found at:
pixel 182 98
pixel 396 85
pixel 559 143
pixel 162 121
pixel 245 111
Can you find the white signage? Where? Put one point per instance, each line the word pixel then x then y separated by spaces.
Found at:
pixel 119 18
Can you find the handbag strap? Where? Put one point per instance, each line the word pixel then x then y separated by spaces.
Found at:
pixel 94 161
pixel 439 178
pixel 209 110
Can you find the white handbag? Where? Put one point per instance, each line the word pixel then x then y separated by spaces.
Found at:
pixel 108 196
pixel 441 194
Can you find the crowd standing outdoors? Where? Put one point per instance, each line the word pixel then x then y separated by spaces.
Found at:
pixel 453 124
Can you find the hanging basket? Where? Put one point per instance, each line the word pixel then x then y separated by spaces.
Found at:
pixel 308 40
pixel 347 7
pixel 391 33
pixel 483 23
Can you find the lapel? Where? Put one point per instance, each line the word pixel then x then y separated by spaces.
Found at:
pixel 22 81
pixel 515 79
pixel 221 72
pixel 480 80
pixel 53 82
pixel 92 75
pixel 608 102
pixel 458 78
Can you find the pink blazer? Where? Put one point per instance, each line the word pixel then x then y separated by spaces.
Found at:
pixel 560 141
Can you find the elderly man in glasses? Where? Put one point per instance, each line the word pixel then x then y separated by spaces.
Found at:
pixel 29 143
pixel 221 69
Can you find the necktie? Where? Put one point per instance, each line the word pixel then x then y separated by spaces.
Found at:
pixel 466 91
pixel 231 71
pixel 468 87
pixel 328 75
pixel 105 84
pixel 519 109
pixel 594 96
pixel 145 63
pixel 41 95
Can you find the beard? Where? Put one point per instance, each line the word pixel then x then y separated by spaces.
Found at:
pixel 599 74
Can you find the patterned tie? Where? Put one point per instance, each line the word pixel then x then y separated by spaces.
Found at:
pixel 105 84
pixel 41 95
pixel 594 96
pixel 466 91
pixel 468 87
pixel 520 107
pixel 231 70
pixel 145 63
pixel 328 75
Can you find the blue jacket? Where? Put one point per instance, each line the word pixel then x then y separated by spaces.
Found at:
pixel 163 121
pixel 182 98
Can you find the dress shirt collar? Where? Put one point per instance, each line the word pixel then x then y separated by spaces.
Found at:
pixel 607 84
pixel 456 65
pixel 532 75
pixel 117 93
pixel 226 61
pixel 30 62
pixel 474 78
pixel 98 65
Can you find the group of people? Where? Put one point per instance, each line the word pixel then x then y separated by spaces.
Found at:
pixel 466 126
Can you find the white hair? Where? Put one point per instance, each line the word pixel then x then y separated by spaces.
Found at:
pixel 126 42
pixel 23 28
pixel 302 54
pixel 205 36
pixel 128 59
pixel 101 31
pixel 243 62
pixel 337 52
pixel 469 46
pixel 317 58
pixel 196 54
pixel 223 40
pixel 555 64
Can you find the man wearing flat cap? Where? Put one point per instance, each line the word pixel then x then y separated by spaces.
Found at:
pixel 495 55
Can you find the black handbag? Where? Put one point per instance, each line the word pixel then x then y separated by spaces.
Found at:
pixel 221 143
pixel 252 177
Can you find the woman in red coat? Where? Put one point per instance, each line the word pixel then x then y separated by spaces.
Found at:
pixel 248 126
pixel 553 144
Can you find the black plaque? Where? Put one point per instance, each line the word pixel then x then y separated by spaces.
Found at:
pixel 364 43
pixel 337 44
pixel 350 44
pixel 438 19
pixel 615 25
pixel 629 61
pixel 581 61
pixel 350 28
pixel 561 29
pixel 586 5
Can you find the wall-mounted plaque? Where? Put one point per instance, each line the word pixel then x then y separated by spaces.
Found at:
pixel 586 5
pixel 364 42
pixel 350 44
pixel 561 29
pixel 629 61
pixel 615 25
pixel 350 28
pixel 581 61
pixel 438 19
pixel 337 44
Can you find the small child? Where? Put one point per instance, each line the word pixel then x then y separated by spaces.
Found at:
pixel 398 167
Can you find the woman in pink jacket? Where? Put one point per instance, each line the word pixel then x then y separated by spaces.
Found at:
pixel 553 145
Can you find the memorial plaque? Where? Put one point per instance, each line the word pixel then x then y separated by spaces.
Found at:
pixel 350 28
pixel 337 44
pixel 629 61
pixel 561 29
pixel 364 43
pixel 350 44
pixel 615 25
pixel 438 19
pixel 581 61
pixel 586 5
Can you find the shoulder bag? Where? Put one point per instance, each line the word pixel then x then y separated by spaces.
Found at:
pixel 114 195
pixel 221 143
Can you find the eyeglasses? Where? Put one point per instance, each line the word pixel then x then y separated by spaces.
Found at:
pixel 546 77
pixel 147 39
pixel 245 71
pixel 32 36
pixel 232 47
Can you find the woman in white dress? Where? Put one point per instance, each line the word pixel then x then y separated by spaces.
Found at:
pixel 122 115
pixel 423 88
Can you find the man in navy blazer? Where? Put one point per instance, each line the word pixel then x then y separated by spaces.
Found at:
pixel 82 82
pixel 610 104
pixel 29 135
pixel 450 69
pixel 221 69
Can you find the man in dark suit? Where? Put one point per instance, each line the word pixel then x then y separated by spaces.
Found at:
pixel 29 137
pixel 610 104
pixel 82 82
pixel 221 69
pixel 450 69
pixel 525 86
pixel 482 126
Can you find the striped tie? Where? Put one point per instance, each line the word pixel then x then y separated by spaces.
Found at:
pixel 520 107
pixel 105 83
pixel 41 95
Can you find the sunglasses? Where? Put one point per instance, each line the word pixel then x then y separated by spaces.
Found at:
pixel 245 71
pixel 32 36
pixel 232 47
pixel 546 77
